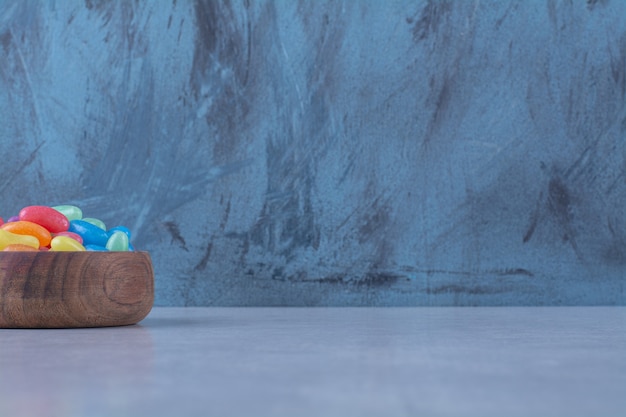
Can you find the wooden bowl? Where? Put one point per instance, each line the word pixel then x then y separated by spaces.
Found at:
pixel 74 289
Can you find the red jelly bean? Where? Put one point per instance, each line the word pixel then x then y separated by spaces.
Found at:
pixel 45 216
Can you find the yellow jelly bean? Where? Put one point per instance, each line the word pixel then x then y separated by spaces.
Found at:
pixel 8 238
pixel 65 244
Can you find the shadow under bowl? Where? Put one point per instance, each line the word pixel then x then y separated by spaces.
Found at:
pixel 74 289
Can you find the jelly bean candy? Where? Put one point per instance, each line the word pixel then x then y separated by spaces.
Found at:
pixel 23 227
pixel 71 212
pixel 95 222
pixel 65 244
pixel 118 242
pixel 7 238
pixel 96 248
pixel 19 247
pixel 92 235
pixel 73 235
pixel 45 216
pixel 119 229
pixel 61 228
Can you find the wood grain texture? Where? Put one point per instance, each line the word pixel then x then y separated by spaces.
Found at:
pixel 74 289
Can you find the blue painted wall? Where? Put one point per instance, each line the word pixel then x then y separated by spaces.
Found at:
pixel 331 153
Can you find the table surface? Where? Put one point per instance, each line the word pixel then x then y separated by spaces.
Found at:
pixel 555 361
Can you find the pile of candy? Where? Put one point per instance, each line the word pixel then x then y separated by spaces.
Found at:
pixel 60 228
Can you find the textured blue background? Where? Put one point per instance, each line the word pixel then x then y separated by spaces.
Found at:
pixel 331 153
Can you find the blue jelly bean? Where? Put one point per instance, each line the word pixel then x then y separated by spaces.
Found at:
pixel 119 229
pixel 91 234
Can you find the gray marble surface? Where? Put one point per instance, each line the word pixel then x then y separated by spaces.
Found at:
pixel 331 152
pixel 533 361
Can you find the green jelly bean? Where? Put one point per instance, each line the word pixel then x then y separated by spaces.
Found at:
pixel 95 222
pixel 118 241
pixel 71 212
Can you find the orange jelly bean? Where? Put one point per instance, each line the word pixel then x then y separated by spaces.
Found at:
pixel 24 227
pixel 19 247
